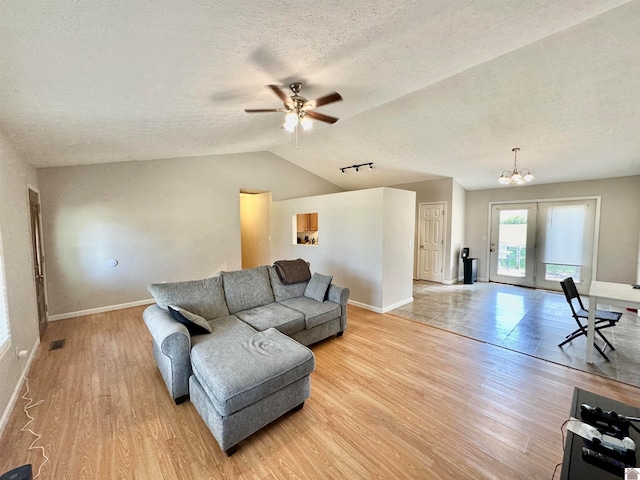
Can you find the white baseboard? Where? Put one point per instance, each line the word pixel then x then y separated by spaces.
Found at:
pixel 397 304
pixel 16 391
pixel 378 309
pixel 80 313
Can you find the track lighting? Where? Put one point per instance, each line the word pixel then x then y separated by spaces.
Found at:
pixel 357 167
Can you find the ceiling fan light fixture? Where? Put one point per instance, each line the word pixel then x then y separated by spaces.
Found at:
pixel 291 118
pixel 298 110
pixel 306 123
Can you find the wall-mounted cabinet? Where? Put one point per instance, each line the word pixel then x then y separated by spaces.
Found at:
pixel 307 222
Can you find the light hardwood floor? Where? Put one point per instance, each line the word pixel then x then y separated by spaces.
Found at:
pixel 392 398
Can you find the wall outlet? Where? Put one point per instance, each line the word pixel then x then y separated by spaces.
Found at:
pixel 21 353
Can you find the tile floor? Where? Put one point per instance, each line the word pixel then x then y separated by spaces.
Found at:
pixel 529 321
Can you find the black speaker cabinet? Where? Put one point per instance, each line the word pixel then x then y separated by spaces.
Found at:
pixel 470 270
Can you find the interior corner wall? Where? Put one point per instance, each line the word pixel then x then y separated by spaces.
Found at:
pixel 353 241
pixel 436 191
pixel 619 220
pixel 162 220
pixel 15 177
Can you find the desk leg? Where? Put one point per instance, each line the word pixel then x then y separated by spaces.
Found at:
pixel 591 328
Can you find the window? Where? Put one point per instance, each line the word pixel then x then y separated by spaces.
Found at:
pixel 4 318
pixel 306 228
pixel 568 235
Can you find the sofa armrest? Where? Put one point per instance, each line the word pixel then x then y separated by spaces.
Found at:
pixel 171 349
pixel 339 294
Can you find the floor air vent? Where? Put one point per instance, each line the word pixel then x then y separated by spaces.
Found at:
pixel 56 345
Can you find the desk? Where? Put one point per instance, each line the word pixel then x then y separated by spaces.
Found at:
pixel 573 466
pixel 620 294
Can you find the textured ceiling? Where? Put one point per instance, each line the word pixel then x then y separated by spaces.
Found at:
pixel 431 89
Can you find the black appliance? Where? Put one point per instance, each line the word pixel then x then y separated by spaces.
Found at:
pixel 470 267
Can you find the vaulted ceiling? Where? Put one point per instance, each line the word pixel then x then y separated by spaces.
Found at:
pixel 444 88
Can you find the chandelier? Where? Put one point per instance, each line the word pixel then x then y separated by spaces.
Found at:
pixel 515 177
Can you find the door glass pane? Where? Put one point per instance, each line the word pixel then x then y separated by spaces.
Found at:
pixel 512 243
pixel 557 273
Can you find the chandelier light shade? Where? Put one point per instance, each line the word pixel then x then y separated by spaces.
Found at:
pixel 515 177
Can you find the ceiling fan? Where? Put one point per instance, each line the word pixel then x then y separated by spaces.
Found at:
pixel 298 109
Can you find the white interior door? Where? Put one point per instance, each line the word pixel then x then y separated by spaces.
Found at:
pixel 513 244
pixel 431 241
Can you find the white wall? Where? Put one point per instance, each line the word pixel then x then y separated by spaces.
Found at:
pixel 397 247
pixel 360 234
pixel 619 220
pixel 15 175
pixel 163 220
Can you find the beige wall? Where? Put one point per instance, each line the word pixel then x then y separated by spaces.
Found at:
pixel 619 221
pixel 162 220
pixel 15 175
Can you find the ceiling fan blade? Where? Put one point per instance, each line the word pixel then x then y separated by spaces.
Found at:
pixel 283 96
pixel 262 110
pixel 320 116
pixel 332 97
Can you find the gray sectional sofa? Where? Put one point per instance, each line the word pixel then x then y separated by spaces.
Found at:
pixel 235 344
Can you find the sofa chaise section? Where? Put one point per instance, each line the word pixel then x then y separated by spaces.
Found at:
pixel 258 377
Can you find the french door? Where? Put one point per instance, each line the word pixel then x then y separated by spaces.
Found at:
pixel 513 240
pixel 538 244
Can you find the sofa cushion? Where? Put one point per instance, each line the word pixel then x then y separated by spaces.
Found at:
pixel 194 323
pixel 284 292
pixel 273 315
pixel 202 297
pixel 318 286
pixel 245 289
pixel 315 313
pixel 238 369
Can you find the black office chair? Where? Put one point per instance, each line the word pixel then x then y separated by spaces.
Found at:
pixel 604 318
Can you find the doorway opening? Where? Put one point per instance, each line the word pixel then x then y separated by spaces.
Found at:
pixel 255 235
pixel 38 257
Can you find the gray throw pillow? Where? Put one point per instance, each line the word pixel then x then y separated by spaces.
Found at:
pixel 318 286
pixel 194 323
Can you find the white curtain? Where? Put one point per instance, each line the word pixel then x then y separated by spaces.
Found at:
pixel 566 230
